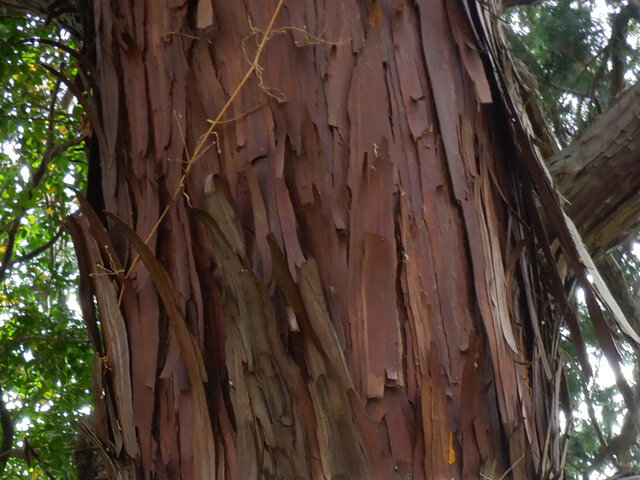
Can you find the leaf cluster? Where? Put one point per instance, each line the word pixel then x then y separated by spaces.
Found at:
pixel 44 354
pixel 582 53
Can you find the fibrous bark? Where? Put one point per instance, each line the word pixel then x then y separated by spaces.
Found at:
pixel 355 254
pixel 347 283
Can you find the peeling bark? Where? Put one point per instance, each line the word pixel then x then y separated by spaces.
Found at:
pixel 348 283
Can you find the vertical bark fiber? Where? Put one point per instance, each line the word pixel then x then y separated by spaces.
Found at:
pixel 347 284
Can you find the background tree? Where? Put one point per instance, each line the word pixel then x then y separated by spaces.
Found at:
pixel 266 158
pixel 582 69
pixel 44 352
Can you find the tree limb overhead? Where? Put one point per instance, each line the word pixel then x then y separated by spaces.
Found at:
pixel 598 175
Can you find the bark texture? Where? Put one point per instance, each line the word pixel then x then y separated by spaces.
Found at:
pixel 597 174
pixel 347 282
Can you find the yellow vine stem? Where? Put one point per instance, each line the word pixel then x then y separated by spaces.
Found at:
pixel 200 147
pixel 506 472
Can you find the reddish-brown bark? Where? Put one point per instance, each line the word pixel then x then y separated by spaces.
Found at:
pixel 347 284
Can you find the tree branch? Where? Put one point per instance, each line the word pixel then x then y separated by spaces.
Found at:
pixel 31 452
pixel 517 3
pixel 37 251
pixel 44 338
pixel 618 45
pixel 51 151
pixel 598 174
pixel 7 434
pixel 62 12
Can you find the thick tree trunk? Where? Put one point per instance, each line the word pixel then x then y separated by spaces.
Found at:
pixel 344 282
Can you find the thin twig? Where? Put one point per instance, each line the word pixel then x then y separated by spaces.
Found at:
pixel 201 146
pixel 40 338
pixel 49 153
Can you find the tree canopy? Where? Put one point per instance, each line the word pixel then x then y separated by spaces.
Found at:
pixel 580 56
pixel 43 345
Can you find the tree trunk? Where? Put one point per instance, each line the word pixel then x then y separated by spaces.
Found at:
pixel 343 281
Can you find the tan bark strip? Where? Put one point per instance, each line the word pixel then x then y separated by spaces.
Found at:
pixel 319 319
pixel 85 294
pixel 115 337
pixel 203 445
pixel 143 360
pixel 568 236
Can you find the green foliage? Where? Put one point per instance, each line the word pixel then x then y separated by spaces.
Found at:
pixel 45 374
pixel 581 54
pixel 574 48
